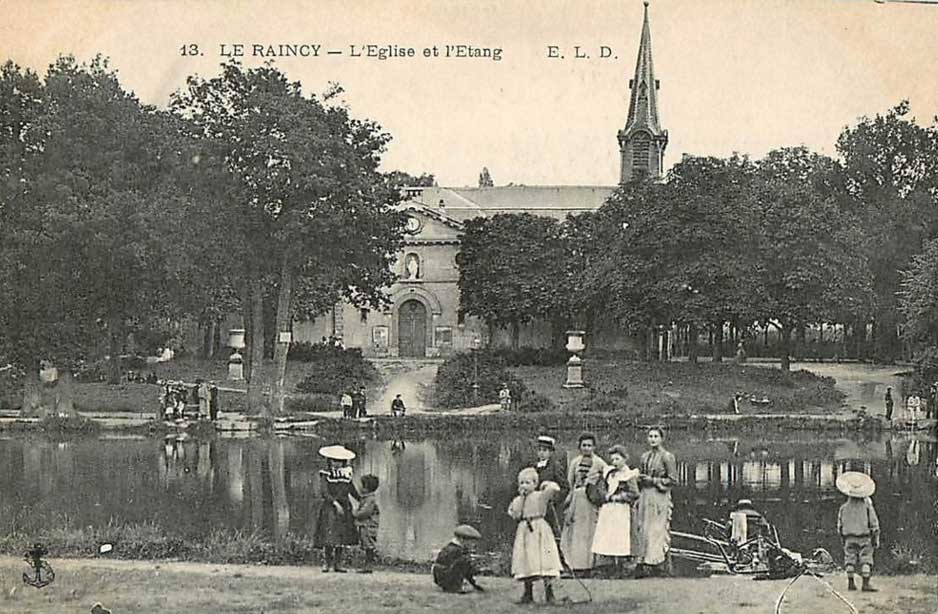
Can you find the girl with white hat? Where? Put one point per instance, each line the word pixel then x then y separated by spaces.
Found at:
pixel 335 526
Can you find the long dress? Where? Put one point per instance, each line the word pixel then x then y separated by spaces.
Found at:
pixel 551 471
pixel 576 541
pixel 535 553
pixel 614 525
pixel 654 506
pixel 335 528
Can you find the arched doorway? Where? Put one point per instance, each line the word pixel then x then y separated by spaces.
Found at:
pixel 412 329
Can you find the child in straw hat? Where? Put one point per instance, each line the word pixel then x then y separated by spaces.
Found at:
pixel 858 525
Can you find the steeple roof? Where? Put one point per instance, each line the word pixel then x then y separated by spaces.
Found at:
pixel 643 103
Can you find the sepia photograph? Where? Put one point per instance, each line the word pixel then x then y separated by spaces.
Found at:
pixel 312 306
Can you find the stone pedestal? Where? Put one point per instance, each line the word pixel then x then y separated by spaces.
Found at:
pixel 236 367
pixel 574 373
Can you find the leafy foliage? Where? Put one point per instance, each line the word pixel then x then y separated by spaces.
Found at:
pixel 453 386
pixel 509 269
pixel 335 370
pixel 890 166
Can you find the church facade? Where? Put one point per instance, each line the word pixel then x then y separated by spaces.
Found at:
pixel 423 320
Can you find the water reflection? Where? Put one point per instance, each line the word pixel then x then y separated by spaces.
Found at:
pixel 427 487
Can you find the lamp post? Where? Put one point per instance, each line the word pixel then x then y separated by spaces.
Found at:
pixel 476 344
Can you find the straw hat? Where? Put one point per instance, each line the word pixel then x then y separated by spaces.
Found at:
pixel 337 453
pixel 467 532
pixel 546 441
pixel 856 484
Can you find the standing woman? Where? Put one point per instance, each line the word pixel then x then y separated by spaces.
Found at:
pixel 576 541
pixel 335 526
pixel 657 475
pixel 614 526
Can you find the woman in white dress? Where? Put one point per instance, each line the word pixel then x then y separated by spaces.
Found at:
pixel 614 525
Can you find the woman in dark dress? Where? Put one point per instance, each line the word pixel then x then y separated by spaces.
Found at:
pixel 335 526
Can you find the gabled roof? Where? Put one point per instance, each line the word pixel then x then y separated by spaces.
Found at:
pixel 459 204
pixel 430 212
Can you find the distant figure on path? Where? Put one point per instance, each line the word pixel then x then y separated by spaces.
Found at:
pixel 362 411
pixel 347 403
pixel 203 395
pixel 504 397
pixel 889 402
pixel 740 353
pixel 213 402
pixel 397 407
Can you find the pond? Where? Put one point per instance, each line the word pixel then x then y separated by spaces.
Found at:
pixel 429 486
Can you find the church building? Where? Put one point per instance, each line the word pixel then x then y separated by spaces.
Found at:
pixel 423 320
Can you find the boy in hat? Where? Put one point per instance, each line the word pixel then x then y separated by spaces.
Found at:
pixel 454 562
pixel 858 525
pixel 549 470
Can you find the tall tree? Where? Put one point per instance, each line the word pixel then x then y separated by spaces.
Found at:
pixel 83 225
pixel 891 176
pixel 810 249
pixel 508 269
pixel 316 214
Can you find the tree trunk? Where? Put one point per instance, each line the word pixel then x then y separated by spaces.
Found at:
pixel 216 337
pixel 114 349
pixel 692 343
pixel 784 345
pixel 64 394
pixel 247 320
pixel 283 332
pixel 32 395
pixel 206 338
pixel 256 401
pixel 718 342
pixel 515 335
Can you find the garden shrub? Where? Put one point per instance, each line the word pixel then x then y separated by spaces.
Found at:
pixel 333 370
pixel 531 356
pixel 453 384
pixel 530 402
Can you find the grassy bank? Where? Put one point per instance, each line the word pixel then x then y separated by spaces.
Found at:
pixel 146 587
pixel 681 388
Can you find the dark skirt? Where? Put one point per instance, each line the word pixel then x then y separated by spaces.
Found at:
pixel 334 528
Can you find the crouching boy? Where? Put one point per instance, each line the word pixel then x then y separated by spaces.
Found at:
pixel 454 564
pixel 858 525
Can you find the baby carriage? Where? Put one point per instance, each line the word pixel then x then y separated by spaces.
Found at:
pixel 747 544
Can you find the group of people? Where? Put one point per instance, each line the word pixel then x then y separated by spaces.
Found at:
pixel 593 514
pixel 916 407
pixel 347 516
pixel 353 403
pixel 176 396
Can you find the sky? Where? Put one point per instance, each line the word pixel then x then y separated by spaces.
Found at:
pixel 736 75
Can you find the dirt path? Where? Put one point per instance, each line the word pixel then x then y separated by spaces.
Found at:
pixel 137 587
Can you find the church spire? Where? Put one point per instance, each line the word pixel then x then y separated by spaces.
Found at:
pixel 642 142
